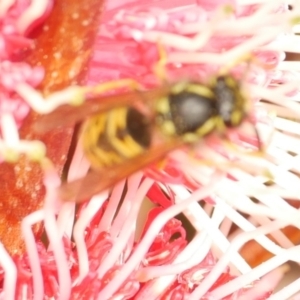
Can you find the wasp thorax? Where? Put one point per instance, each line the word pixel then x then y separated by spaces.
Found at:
pixel 184 112
pixel 190 111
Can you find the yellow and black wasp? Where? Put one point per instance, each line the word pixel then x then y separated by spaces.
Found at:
pixel 125 133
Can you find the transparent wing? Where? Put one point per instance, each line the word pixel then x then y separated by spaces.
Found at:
pixel 97 181
pixel 68 115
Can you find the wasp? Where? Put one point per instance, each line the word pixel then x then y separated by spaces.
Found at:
pixel 122 134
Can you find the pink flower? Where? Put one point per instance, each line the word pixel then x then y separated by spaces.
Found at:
pixel 94 250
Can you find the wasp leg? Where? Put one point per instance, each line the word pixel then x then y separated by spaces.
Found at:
pixel 116 84
pixel 260 152
pixel 104 87
pixel 253 167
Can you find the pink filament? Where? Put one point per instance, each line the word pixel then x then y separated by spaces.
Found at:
pixel 12 70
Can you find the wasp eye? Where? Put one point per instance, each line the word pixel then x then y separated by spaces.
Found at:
pixel 190 111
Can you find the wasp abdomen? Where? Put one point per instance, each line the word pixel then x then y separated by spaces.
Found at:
pixel 115 136
pixel 139 127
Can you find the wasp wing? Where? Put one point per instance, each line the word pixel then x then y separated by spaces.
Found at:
pixel 99 180
pixel 67 115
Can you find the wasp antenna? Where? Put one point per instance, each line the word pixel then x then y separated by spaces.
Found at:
pixel 160 66
pixel 260 144
pixel 248 58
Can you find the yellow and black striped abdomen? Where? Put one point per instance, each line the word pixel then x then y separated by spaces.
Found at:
pixel 112 137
